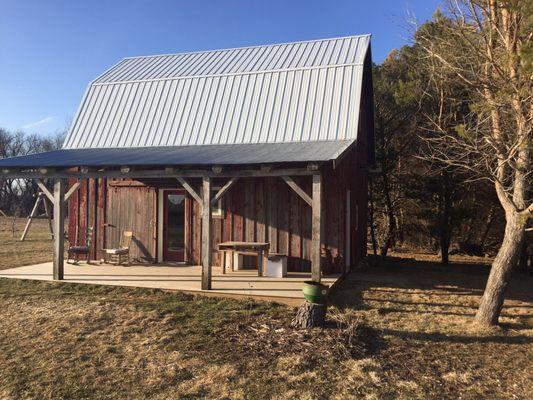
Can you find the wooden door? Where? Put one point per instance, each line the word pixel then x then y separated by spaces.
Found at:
pixel 173 225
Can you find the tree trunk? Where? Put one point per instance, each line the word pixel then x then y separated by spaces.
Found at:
pixel 310 315
pixel 444 248
pixel 371 212
pixel 506 259
pixel 523 258
pixel 445 223
pixel 488 225
pixel 400 233
pixel 389 215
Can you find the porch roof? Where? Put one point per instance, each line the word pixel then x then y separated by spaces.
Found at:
pixel 230 154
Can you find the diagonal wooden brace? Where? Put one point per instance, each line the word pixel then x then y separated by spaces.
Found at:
pixel 299 191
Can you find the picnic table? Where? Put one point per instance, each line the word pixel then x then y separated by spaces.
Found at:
pixel 260 249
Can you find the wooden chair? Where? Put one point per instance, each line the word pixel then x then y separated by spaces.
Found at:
pixel 74 251
pixel 121 253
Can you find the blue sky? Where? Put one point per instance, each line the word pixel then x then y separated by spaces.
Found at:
pixel 50 50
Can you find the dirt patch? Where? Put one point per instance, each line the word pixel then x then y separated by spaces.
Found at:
pixel 342 337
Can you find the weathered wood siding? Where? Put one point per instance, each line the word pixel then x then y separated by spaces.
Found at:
pixel 133 208
pixel 255 209
pixel 87 209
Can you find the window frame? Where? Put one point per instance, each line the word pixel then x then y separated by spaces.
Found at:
pixel 217 209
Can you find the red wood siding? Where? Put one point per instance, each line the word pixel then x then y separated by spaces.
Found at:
pixel 131 208
pixel 255 209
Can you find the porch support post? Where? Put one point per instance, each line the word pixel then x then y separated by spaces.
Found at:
pixel 206 234
pixel 59 228
pixel 316 238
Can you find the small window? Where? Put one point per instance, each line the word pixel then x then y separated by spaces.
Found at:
pixel 216 209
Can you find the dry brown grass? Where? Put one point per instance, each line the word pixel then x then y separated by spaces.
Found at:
pixel 401 329
pixel 37 247
pixel 430 349
pixel 78 341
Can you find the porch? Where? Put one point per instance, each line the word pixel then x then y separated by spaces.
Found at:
pixel 176 277
pixel 280 204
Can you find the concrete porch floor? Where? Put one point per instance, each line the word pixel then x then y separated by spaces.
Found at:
pixel 175 277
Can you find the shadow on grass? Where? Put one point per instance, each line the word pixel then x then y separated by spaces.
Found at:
pixel 411 277
pixel 463 339
pixel 420 292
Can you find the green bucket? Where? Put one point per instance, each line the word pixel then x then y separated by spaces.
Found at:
pixel 315 292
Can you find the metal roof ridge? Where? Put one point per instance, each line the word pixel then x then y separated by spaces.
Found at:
pixel 266 71
pixel 350 140
pixel 249 47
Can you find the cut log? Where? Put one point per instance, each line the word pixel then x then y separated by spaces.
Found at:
pixel 310 315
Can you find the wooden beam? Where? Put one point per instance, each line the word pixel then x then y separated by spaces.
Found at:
pixel 188 187
pixel 59 228
pixel 317 226
pixel 72 190
pixel 45 190
pixel 299 191
pixel 223 190
pixel 207 245
pixel 165 173
pixel 33 214
pixel 49 217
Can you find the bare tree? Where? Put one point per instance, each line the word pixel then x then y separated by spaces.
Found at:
pixel 486 46
pixel 17 196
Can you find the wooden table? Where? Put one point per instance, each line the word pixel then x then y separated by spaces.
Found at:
pixel 259 248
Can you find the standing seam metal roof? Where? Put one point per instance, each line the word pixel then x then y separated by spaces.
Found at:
pixel 236 154
pixel 314 53
pixel 294 92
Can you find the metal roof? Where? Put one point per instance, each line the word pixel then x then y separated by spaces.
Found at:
pixel 293 92
pixel 233 154
pixel 312 53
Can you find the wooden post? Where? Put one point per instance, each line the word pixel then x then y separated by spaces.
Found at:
pixel 260 255
pixel 316 238
pixel 59 228
pixel 206 234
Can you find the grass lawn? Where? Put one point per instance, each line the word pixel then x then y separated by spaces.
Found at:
pixel 400 329
pixel 37 247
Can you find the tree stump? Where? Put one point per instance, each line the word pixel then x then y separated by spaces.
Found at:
pixel 310 315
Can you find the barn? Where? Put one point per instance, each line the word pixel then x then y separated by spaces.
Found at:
pixel 267 145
